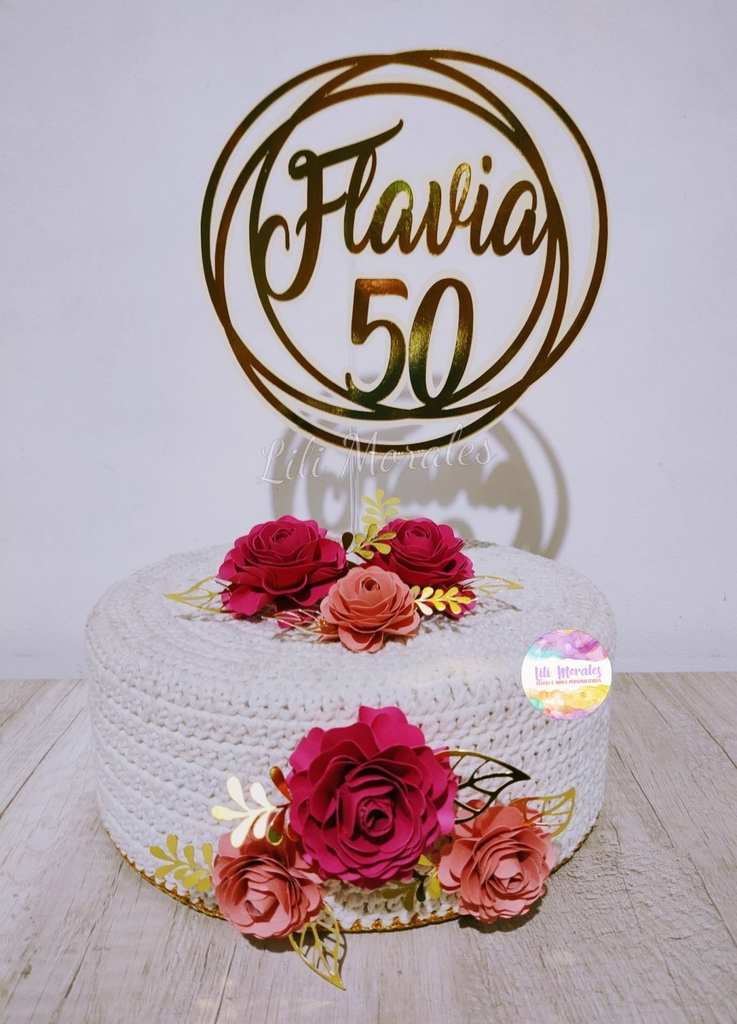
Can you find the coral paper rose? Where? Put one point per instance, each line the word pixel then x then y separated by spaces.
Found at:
pixel 289 561
pixel 264 890
pixel 369 799
pixel 497 863
pixel 366 606
pixel 425 554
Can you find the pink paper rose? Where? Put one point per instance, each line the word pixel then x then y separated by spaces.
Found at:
pixel 426 554
pixel 369 799
pixel 288 562
pixel 497 863
pixel 264 890
pixel 367 606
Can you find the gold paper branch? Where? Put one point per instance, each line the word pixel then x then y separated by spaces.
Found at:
pixel 373 540
pixel 554 813
pixel 379 510
pixel 487 779
pixel 429 600
pixel 252 819
pixel 198 596
pixel 191 874
pixel 321 954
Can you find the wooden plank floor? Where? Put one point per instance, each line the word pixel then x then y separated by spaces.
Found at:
pixel 639 926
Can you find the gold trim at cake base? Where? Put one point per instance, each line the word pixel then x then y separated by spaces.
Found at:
pixel 358 926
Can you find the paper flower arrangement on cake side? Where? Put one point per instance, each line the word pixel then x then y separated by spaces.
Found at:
pixel 372 806
pixel 363 591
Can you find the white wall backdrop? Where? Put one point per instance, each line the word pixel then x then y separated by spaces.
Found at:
pixel 128 430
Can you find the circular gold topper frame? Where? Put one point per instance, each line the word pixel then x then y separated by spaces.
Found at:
pixel 348 405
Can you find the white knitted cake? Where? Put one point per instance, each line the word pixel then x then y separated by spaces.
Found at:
pixel 181 700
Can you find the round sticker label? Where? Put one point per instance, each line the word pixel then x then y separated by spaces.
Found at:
pixel 566 674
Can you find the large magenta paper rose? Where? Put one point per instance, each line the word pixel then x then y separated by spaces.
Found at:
pixel 288 562
pixel 369 799
pixel 265 890
pixel 366 606
pixel 425 554
pixel 497 863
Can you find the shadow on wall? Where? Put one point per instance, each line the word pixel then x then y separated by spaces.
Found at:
pixel 505 485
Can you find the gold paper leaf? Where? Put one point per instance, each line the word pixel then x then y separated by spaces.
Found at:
pixel 258 793
pixel 200 597
pixel 554 813
pixel 193 879
pixel 235 791
pixel 491 585
pixel 225 813
pixel 434 890
pixel 259 828
pixel 277 777
pixel 188 872
pixel 482 777
pixel 320 946
pixel 407 890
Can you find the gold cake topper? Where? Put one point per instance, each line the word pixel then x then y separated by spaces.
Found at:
pixel 318 257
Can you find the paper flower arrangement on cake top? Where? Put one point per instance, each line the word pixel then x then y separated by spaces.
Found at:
pixel 372 806
pixel 362 591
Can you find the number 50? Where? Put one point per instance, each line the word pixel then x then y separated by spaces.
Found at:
pixel 419 340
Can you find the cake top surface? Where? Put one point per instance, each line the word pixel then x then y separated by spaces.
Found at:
pixel 135 625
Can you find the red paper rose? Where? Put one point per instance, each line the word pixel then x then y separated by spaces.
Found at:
pixel 369 799
pixel 264 890
pixel 366 606
pixel 497 863
pixel 426 554
pixel 289 561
